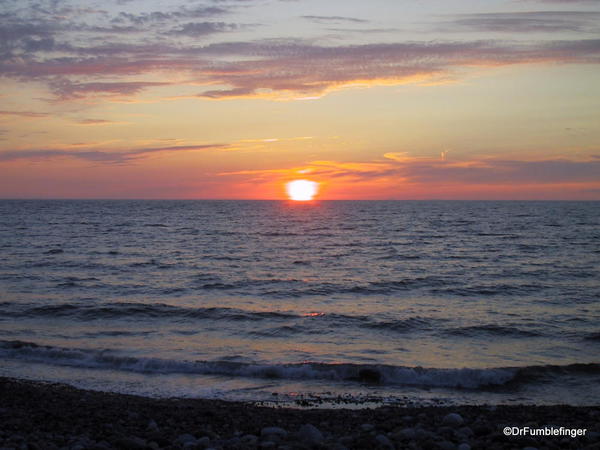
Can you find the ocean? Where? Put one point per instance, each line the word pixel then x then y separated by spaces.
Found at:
pixel 292 303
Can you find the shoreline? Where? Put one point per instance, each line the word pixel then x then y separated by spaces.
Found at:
pixel 40 415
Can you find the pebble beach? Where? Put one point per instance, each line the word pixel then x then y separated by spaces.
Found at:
pixel 38 415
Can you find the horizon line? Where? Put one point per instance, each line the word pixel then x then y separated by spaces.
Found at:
pixel 294 201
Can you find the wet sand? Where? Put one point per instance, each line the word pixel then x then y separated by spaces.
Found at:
pixel 37 415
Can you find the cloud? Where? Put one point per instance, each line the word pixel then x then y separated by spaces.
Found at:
pixel 96 122
pixel 66 90
pixel 25 114
pixel 195 29
pixel 93 155
pixel 284 67
pixel 402 168
pixel 168 16
pixel 334 19
pixel 303 69
pixel 565 1
pixel 525 22
pixel 363 30
pixel 77 58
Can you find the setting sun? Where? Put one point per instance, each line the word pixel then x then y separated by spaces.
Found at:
pixel 301 190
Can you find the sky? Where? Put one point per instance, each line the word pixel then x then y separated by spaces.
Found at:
pixel 232 99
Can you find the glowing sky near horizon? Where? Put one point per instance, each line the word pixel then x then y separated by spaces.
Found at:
pixel 387 99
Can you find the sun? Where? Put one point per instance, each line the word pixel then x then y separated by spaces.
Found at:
pixel 301 190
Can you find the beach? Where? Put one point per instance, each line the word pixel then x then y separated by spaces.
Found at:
pixel 37 415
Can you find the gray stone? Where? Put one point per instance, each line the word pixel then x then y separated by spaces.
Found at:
pixel 249 439
pixel 185 438
pixel 346 440
pixel 453 420
pixel 464 446
pixel 267 444
pixel 274 431
pixel 203 442
pixel 530 448
pixel 310 434
pixel 366 427
pixel 152 426
pixel 407 433
pixel 593 435
pixel 384 441
pixel 103 445
pixel 130 443
pixel 465 431
pixel 446 431
pixel 422 435
pixel 338 446
pixel 446 445
pixel 233 442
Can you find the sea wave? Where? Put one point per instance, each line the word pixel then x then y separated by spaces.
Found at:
pixel 280 322
pixel 491 330
pixel 137 310
pixel 464 378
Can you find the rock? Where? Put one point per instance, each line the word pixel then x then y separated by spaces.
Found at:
pixel 234 442
pixel 203 442
pixel 482 430
pixel 446 431
pixel 407 433
pixel 338 446
pixel 249 440
pixel 185 438
pixel 346 440
pixel 465 431
pixel 422 435
pixel 593 435
pixel 130 443
pixel 152 425
pixel 446 445
pixel 310 434
pixel 267 444
pixel 530 448
pixel 367 427
pixel 453 420
pixel 383 440
pixel 463 446
pixel 274 431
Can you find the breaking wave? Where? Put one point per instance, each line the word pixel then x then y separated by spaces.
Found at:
pixel 465 378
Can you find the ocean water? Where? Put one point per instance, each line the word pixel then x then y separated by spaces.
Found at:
pixel 385 301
